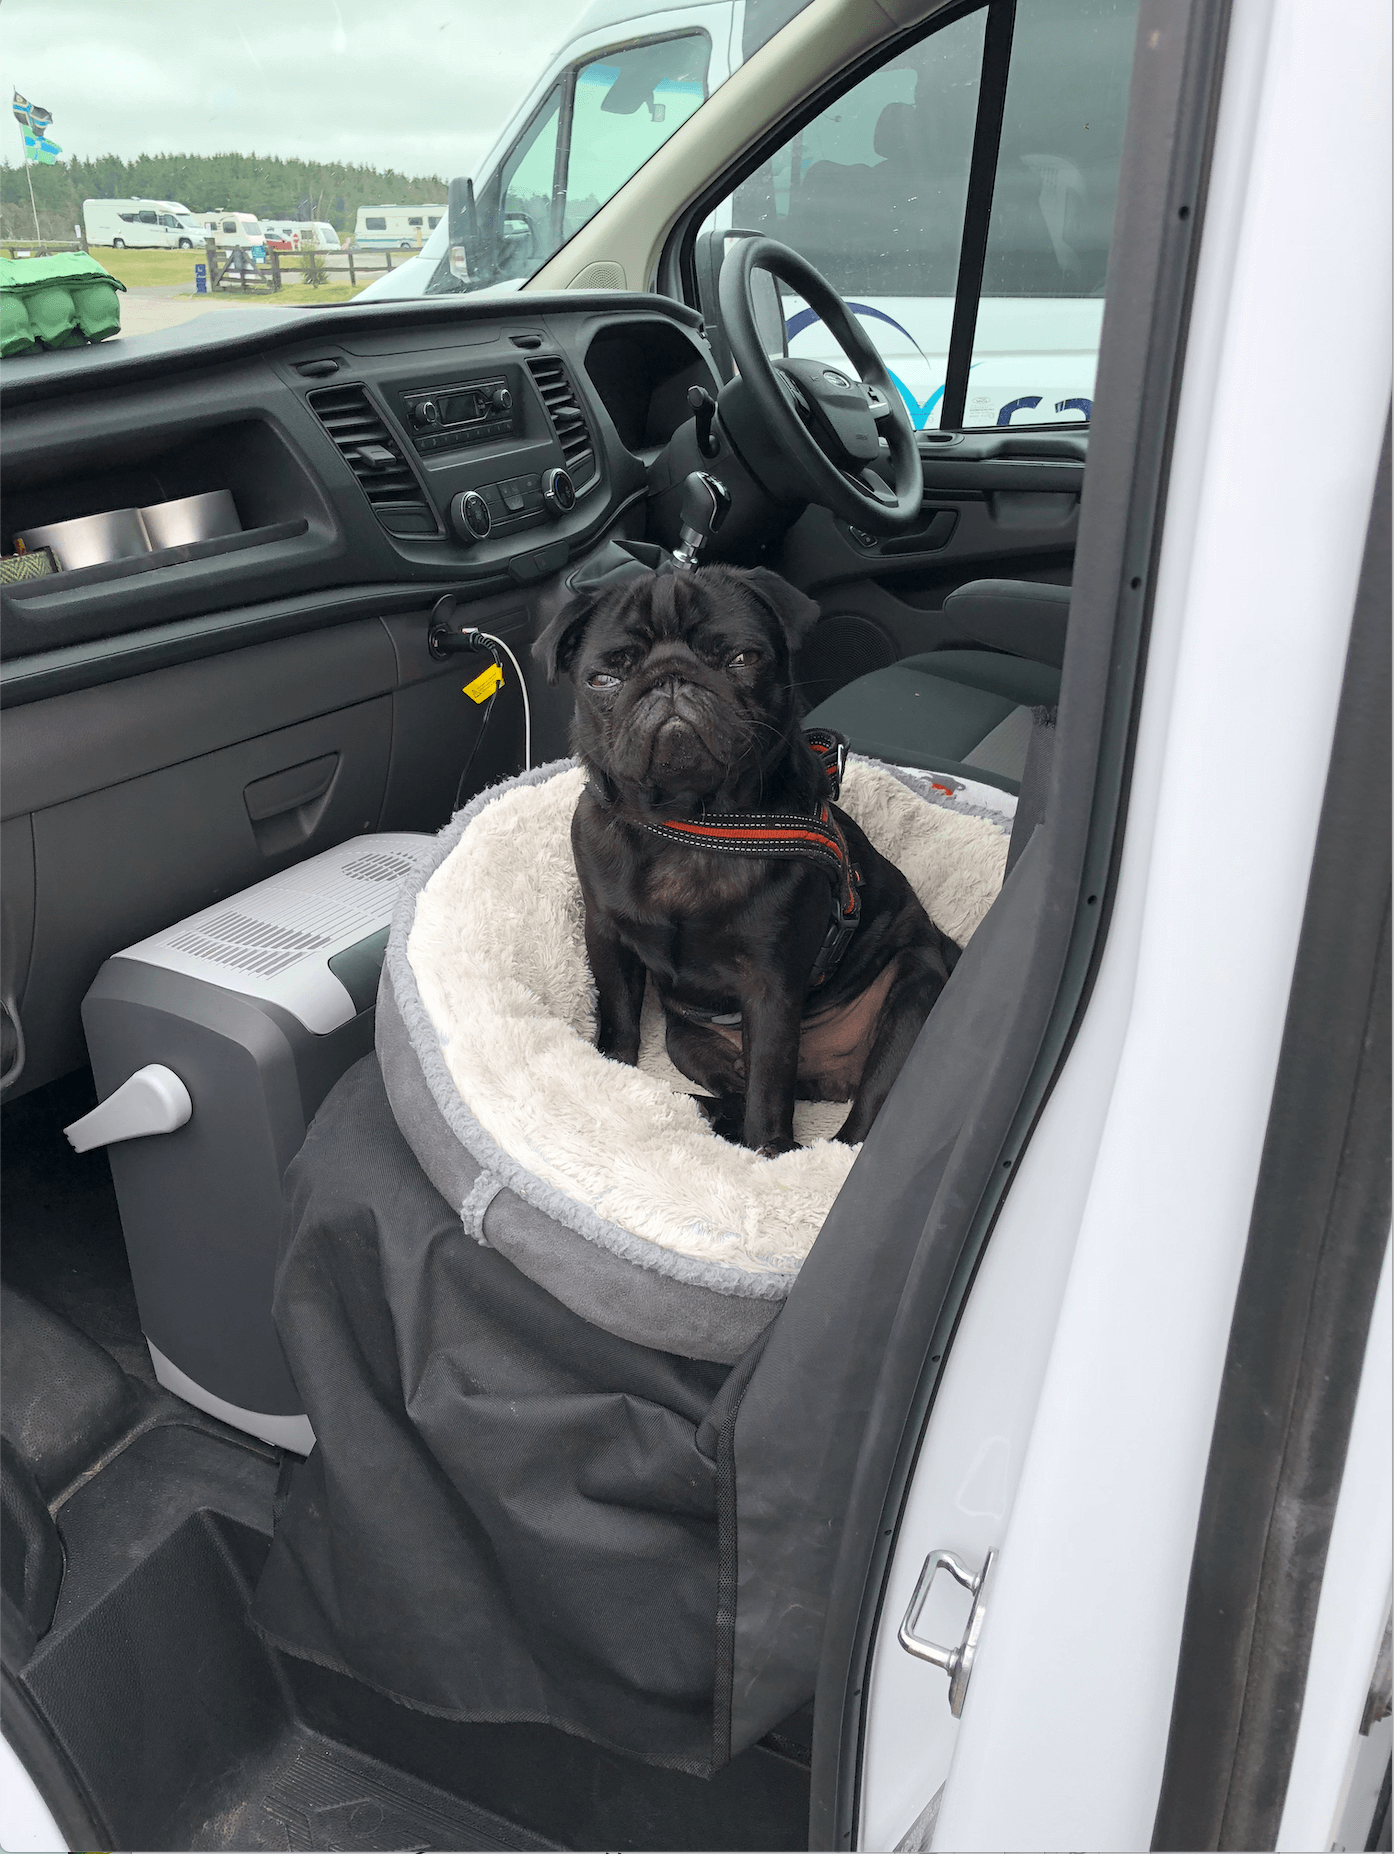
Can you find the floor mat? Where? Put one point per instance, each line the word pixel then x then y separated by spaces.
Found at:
pixel 63 1241
pixel 316 1795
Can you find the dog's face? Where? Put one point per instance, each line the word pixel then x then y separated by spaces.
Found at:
pixel 683 679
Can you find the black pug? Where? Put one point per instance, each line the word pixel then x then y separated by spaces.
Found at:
pixel 786 968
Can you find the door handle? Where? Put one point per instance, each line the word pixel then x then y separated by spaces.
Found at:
pixel 288 790
pixel 957 1662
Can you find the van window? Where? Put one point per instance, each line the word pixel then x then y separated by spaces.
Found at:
pixel 413 221
pixel 229 225
pixel 147 218
pixel 433 220
pixel 607 116
pixel 873 191
pixel 1054 193
pixel 627 104
pixel 528 181
pixel 375 225
pixel 127 218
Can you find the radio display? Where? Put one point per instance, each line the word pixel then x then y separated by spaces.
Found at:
pixel 461 412
pixel 461 408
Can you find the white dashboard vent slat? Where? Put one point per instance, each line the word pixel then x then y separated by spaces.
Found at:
pixel 362 439
pixel 568 420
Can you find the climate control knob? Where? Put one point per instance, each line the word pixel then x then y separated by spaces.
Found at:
pixel 470 517
pixel 558 493
pixel 425 413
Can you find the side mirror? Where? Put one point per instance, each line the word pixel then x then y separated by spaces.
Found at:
pixel 466 256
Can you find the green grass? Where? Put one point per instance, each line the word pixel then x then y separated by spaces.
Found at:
pixel 145 267
pixel 137 268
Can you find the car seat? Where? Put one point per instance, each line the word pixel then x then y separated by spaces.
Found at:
pixel 966 708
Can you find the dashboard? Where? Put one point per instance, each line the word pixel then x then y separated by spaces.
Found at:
pixel 478 445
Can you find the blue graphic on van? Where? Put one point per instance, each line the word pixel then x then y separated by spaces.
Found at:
pixel 919 414
pixel 1086 406
pixel 1028 403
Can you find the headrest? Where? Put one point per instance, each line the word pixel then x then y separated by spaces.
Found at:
pixel 895 132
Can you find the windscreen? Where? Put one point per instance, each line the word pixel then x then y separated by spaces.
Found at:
pixel 451 145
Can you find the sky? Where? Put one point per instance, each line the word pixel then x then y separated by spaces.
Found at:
pixel 423 86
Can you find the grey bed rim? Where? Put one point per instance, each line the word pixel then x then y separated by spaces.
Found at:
pixel 619 1281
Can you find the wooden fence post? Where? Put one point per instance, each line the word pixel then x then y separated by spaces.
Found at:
pixel 210 248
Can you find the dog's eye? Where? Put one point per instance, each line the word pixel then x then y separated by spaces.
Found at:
pixel 744 659
pixel 603 680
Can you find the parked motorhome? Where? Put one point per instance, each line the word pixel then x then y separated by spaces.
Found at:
pixel 233 230
pixel 163 225
pixel 396 228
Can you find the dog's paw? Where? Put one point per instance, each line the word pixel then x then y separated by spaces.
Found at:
pixel 776 1147
pixel 724 1114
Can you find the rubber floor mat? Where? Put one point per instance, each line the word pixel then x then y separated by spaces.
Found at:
pixel 317 1796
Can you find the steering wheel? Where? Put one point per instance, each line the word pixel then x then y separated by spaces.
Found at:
pixel 824 425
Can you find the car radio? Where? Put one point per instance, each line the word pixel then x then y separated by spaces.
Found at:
pixel 470 412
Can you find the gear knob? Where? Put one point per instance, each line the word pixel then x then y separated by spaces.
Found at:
pixel 705 502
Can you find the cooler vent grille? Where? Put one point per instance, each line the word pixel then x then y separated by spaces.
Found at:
pixel 568 420
pixel 249 945
pixel 348 415
pixel 377 866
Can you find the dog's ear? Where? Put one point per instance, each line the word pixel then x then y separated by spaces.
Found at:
pixel 556 647
pixel 797 615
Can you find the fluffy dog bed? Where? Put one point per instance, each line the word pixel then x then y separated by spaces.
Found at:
pixel 604 1183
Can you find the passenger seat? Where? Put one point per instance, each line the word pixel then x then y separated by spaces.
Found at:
pixel 964 711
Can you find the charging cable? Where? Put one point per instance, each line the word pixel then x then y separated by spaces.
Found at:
pixel 445 638
pixel 487 641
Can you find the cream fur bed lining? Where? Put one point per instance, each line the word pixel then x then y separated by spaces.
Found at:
pixel 497 953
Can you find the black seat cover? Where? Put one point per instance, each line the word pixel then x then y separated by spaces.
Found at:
pixel 509 1514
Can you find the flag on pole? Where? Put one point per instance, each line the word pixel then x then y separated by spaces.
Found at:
pixel 35 123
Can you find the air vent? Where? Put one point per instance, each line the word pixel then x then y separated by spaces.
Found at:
pixel 378 866
pixel 374 456
pixel 568 421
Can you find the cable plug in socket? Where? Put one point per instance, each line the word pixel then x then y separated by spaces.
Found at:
pixel 446 637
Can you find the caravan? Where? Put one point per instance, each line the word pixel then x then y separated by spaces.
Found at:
pixel 162 225
pixel 396 228
pixel 232 231
pixel 300 235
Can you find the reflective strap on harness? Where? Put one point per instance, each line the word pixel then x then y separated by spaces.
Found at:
pixel 816 839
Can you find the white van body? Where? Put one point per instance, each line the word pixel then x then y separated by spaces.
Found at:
pixel 397 228
pixel 605 24
pixel 232 231
pixel 1027 363
pixel 318 235
pixel 159 225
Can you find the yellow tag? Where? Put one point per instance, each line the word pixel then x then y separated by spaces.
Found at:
pixel 484 684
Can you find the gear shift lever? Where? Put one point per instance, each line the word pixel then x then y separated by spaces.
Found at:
pixel 705 503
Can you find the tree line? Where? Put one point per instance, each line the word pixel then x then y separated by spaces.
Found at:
pixel 261 184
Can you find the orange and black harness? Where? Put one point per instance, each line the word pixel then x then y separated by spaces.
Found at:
pixel 817 839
